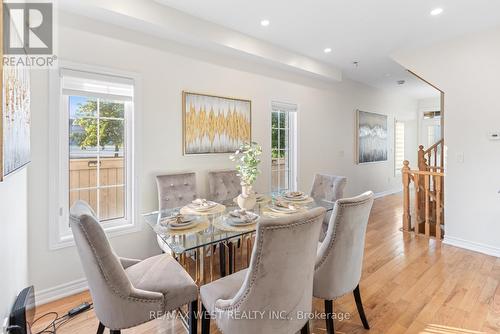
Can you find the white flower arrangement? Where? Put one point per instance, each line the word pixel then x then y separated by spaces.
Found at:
pixel 248 162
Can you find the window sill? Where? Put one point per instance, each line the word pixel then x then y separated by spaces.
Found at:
pixel 115 230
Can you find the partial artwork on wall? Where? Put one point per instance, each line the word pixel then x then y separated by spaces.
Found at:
pixel 214 124
pixel 371 137
pixel 16 118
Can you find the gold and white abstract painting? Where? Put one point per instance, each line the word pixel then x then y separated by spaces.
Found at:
pixel 16 118
pixel 214 124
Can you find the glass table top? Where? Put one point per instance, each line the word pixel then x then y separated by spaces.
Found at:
pixel 209 230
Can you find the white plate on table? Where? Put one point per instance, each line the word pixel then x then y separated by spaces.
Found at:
pixel 238 221
pixel 297 196
pixel 173 224
pixel 197 207
pixel 281 209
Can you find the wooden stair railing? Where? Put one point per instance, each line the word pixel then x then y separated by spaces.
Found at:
pixel 431 159
pixel 428 208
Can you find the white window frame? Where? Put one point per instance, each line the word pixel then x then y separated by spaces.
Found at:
pixel 60 235
pixel 397 169
pixel 292 110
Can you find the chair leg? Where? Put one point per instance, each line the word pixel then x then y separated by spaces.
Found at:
pixel 193 320
pixel 222 259
pixel 100 329
pixel 359 305
pixel 330 328
pixel 205 320
pixel 305 329
pixel 231 257
pixel 115 331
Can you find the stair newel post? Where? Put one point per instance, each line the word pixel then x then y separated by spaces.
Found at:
pixel 416 182
pixel 438 207
pixel 427 206
pixel 421 158
pixel 406 196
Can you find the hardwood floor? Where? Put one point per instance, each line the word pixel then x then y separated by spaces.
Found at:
pixel 409 285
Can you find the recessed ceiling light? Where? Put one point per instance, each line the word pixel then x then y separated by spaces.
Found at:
pixel 264 23
pixel 437 11
pixel 327 50
pixel 401 82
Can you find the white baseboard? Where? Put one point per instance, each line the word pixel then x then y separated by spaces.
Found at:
pixel 60 291
pixel 473 246
pixel 387 192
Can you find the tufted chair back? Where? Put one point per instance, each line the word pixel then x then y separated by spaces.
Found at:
pixel 279 278
pixel 328 187
pixel 175 190
pixel 118 304
pixel 223 185
pixel 340 255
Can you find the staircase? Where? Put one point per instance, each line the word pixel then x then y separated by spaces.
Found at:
pixel 423 193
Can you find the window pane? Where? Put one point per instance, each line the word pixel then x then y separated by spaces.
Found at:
pixel 282 139
pixel 283 120
pixel 111 139
pixel 274 141
pixel 281 158
pixel 83 172
pixel 285 159
pixel 82 137
pixel 112 171
pixel 80 106
pixel 274 119
pixel 111 203
pixel 111 109
pixel 89 196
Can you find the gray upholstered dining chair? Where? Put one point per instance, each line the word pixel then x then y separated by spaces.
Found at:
pixel 340 256
pixel 128 292
pixel 328 188
pixel 174 190
pixel 279 279
pixel 223 185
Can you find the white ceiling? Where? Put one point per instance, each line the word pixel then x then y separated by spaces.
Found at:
pixel 367 31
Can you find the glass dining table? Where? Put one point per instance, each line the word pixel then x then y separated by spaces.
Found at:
pixel 212 230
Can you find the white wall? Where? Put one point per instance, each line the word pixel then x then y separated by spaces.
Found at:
pixel 430 103
pixel 467 70
pixel 326 124
pixel 13 239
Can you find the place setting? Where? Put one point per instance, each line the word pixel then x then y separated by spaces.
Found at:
pixel 182 224
pixel 201 206
pixel 288 203
pixel 297 197
pixel 237 220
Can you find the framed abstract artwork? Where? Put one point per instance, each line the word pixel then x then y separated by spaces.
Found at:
pixel 214 124
pixel 16 119
pixel 371 137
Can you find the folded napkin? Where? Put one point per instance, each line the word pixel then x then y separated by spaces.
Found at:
pixel 202 202
pixel 244 215
pixel 178 219
pixel 294 194
pixel 285 205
